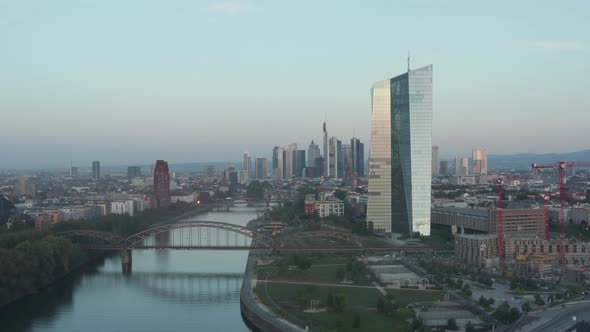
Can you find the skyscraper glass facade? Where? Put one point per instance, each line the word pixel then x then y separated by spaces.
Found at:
pixel 358 156
pixel 277 162
pixel 401 153
pixel 96 169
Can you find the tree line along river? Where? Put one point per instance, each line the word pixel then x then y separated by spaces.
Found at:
pixel 168 290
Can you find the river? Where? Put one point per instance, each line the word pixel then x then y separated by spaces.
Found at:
pixel 168 290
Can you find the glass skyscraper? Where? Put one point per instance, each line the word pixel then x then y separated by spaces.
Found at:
pixel 400 158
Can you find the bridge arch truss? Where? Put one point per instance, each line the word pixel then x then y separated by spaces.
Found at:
pixel 108 240
pixel 206 235
pixel 259 240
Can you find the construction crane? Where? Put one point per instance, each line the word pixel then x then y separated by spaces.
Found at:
pixel 561 167
pixel 546 201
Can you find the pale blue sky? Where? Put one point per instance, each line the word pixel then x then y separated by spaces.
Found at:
pixel 184 80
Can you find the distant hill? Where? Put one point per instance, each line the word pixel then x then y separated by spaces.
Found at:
pixel 524 160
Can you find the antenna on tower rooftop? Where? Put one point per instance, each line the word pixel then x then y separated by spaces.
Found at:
pixel 408 60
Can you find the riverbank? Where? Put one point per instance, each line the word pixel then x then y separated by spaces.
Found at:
pixel 50 261
pixel 168 290
pixel 256 314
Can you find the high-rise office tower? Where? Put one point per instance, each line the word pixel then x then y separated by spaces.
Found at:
pixel 357 150
pixel 288 162
pixel 435 161
pixel 461 166
pixel 162 183
pixel 339 159
pixel 133 172
pixel 444 167
pixel 332 158
pixel 209 170
pixel 74 171
pixel 399 160
pixel 298 163
pixel 277 162
pixel 96 169
pixel 346 161
pixel 26 186
pixel 319 167
pixel 313 152
pixel 326 152
pixel 480 161
pixel 260 168
pixel 247 164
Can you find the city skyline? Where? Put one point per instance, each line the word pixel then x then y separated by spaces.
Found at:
pixel 133 70
pixel 240 165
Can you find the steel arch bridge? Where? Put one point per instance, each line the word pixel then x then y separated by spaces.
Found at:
pixel 203 228
pixel 207 235
pixel 108 240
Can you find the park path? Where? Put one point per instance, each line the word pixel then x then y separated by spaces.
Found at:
pixel 380 289
pixel 343 285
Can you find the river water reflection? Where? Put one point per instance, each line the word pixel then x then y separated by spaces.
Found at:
pixel 175 290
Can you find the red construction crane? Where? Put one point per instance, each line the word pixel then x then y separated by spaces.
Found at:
pixel 546 199
pixel 561 166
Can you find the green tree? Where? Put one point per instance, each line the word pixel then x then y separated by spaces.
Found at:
pixel 340 303
pixel 256 189
pixel 356 321
pixel 452 324
pixel 505 314
pixel 380 305
pixel 340 194
pixel 405 313
pixel 302 262
pixel 340 274
pixel 330 300
pixel 482 301
pixel 526 307
pixel 388 307
pixel 303 302
pixel 539 300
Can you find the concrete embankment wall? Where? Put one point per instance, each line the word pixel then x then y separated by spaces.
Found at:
pixel 258 318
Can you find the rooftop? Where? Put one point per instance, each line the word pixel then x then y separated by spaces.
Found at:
pixel 477 212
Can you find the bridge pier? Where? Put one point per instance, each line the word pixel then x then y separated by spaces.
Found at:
pixel 126 260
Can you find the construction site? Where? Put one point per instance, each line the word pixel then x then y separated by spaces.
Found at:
pixel 523 240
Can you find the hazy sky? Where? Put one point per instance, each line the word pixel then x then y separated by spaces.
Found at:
pixel 136 80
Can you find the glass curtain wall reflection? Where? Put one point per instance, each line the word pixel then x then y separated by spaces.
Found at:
pixel 400 157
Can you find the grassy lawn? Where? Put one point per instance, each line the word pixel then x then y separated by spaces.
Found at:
pixel 324 269
pixel 285 299
pixel 405 296
pixel 361 302
pixel 376 242
pixel 316 273
pixel 369 321
pixel 286 294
